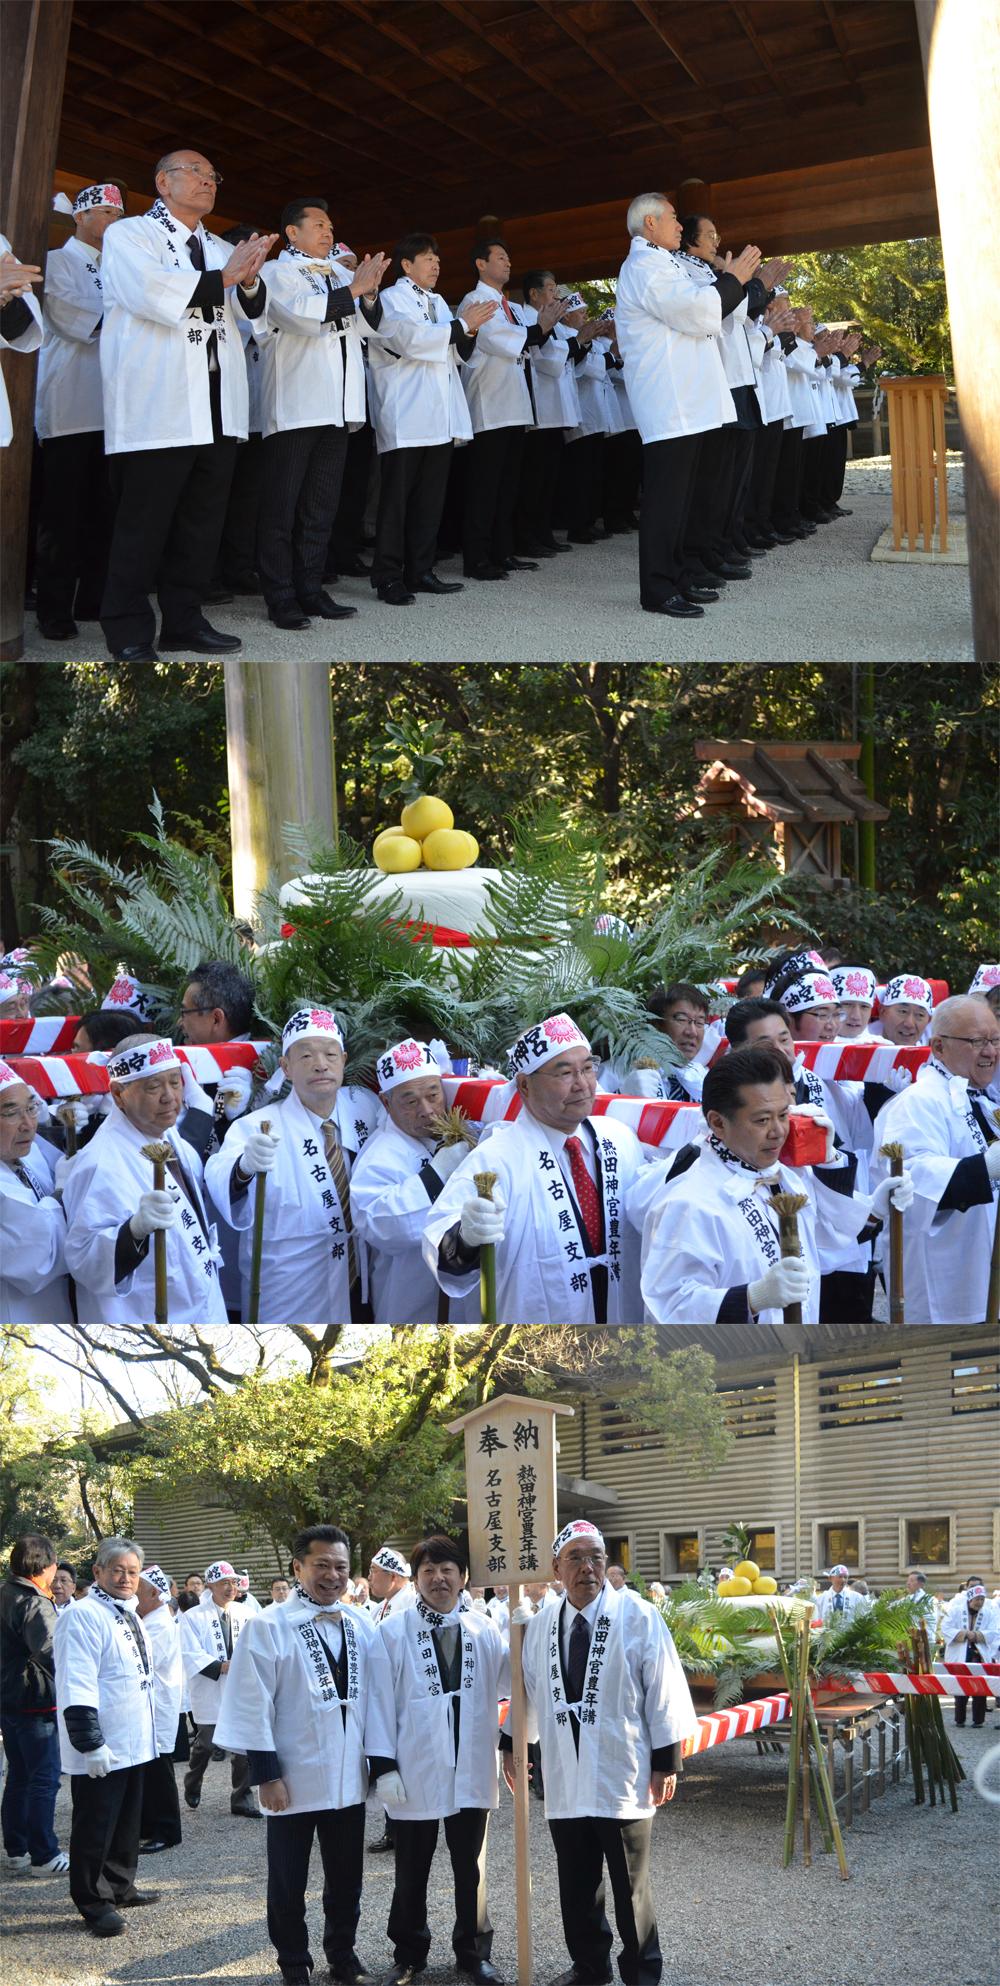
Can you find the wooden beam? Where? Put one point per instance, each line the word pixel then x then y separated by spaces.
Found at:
pixel 845 54
pixel 861 807
pixel 653 18
pixel 806 808
pixel 743 17
pixel 502 46
pixel 558 11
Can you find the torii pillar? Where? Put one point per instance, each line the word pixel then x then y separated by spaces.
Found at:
pixel 279 743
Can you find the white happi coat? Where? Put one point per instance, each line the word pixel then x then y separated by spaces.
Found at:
pixel 398 1603
pixel 312 372
pixel 710 1231
pixel 635 1700
pixel 33 1286
pixel 153 343
pixel 252 335
pixel 201 1644
pixel 415 383
pixel 424 1749
pixel 28 341
pixel 102 1191
pixel 100 1666
pixel 542 1262
pixel 390 1204
pixel 494 380
pixel 589 376
pixel 946 1257
pixel 803 385
pixel 304 1264
pixel 832 1616
pixel 954 1630
pixel 69 397
pixel 773 381
pixel 164 1637
pixel 668 329
pixel 553 377
pixel 282 1698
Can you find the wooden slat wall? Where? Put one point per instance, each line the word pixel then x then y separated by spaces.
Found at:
pixel 929 1464
pixel 183 1534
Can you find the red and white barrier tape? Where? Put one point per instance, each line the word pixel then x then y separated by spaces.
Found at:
pixel 725 1724
pixel 668 1125
pixel 75 1075
pixel 51 1034
pixel 949 1679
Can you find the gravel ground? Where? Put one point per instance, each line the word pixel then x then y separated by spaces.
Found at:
pixel 914 1912
pixel 819 600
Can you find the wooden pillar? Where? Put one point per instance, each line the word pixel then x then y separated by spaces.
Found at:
pixel 279 740
pixel 866 773
pixel 960 43
pixel 35 39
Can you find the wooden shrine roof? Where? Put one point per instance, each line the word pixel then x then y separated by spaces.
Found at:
pixel 785 780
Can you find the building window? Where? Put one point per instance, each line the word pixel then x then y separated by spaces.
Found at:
pixel 975 1383
pixel 750 1410
pixel 852 1394
pixel 620 1549
pixel 619 1433
pixel 681 1554
pixel 841 1545
pixel 762 1550
pixel 928 1541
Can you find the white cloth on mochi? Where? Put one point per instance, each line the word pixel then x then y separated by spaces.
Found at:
pixel 589 376
pixel 390 1204
pixel 281 1697
pixel 397 1603
pixel 415 380
pixel 33 1285
pixel 668 329
pixel 946 1257
pixel 831 1615
pixel 543 1269
pixel 304 1264
pixel 154 364
pixel 103 1189
pixel 954 1630
pixel 104 1662
pixel 164 1636
pixel 635 1700
pixel 28 341
pixel 494 378
pixel 311 372
pixel 69 395
pixel 711 1231
pixel 553 377
pixel 202 1643
pixel 424 1747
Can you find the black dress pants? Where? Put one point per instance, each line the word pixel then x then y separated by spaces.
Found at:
pixel 345 538
pixel 846 1297
pixel 622 471
pixel 494 470
pixel 201 1752
pixel 732 530
pixel 788 478
pixel 161 1814
pixel 171 510
pixel 237 561
pixel 581 481
pixel 978 1708
pixel 341 1835
pixel 411 499
pixel 812 469
pixel 767 449
pixel 536 489
pixel 409 1931
pixel 74 528
pixel 703 534
pixel 669 469
pixel 834 466
pixel 582 1847
pixel 303 468
pixel 104 1838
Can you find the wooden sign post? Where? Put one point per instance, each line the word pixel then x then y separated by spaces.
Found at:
pixel 510 1474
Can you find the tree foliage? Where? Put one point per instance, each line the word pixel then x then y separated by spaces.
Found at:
pixel 895 290
pixel 50 1478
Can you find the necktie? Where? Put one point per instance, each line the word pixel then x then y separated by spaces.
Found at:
pixel 21 1172
pixel 338 1171
pixel 838 1603
pixel 508 313
pixel 576 1665
pixel 432 307
pixel 197 255
pixel 586 1192
pixel 227 1632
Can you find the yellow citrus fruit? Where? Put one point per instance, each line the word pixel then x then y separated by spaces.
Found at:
pixel 765 1584
pixel 725 1589
pixel 422 816
pixel 397 854
pixel 746 1570
pixel 739 1588
pixel 385 834
pixel 448 848
pixel 475 844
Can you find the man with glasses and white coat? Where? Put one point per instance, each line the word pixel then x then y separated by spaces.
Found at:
pixel 945 1125
pixel 610 1708
pixel 33 1284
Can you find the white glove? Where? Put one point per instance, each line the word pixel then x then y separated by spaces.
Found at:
pixel 195 1098
pixel 642 1082
pixel 439 1050
pixel 43 1112
pixel 260 1151
pixel 522 1614
pixel 482 1220
pixel 993 1159
pixel 62 1171
pixel 235 1090
pixel 785 1282
pixel 449 1158
pixel 391 1790
pixel 819 1116
pixel 488 1074
pixel 898 1079
pixel 76 1114
pixel 99 1763
pixel 898 1191
pixel 159 1209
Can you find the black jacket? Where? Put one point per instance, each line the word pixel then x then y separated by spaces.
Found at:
pixel 27 1664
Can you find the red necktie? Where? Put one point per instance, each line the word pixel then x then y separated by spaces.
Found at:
pixel 508 313
pixel 586 1192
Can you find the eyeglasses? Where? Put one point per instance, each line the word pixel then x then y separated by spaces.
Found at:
pixel 196 173
pixel 974 1040
pixel 10 1112
pixel 186 1012
pixel 592 1558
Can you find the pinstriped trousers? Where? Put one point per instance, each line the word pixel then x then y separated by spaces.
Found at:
pixel 303 471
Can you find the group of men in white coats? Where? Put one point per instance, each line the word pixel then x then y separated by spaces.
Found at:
pixel 970 1630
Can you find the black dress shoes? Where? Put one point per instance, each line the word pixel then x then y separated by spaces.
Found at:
pixel 699 595
pixel 748 551
pixel 144 653
pixel 108 1925
pixel 247 583
pixel 574 1977
pixel 63 630
pixel 587 537
pixel 245 1811
pixel 383 1846
pixel 326 608
pixel 839 512
pixel 156 1847
pixel 430 583
pixel 554 545
pixel 726 571
pixel 289 617
pixel 396 594
pixel 521 565
pixel 536 551
pixel 192 1800
pixel 354 568
pixel 678 608
pixel 349 1971
pixel 217 596
pixel 781 537
pixel 207 641
pixel 138 1900
pixel 401 1975
pixel 486 570
pixel 480 1970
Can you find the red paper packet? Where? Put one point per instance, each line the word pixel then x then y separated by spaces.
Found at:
pixel 805 1143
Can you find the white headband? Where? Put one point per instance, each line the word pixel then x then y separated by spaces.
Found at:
pixel 854 982
pixel 311 1024
pixel 391 1561
pixel 145 1061
pixel 578 1529
pixel 220 1570
pixel 987 977
pixel 908 989
pixel 403 1063
pixel 839 1571
pixel 814 989
pixel 97 196
pixel 11 986
pixel 9 1075
pixel 155 1577
pixel 125 997
pixel 538 1044
pixel 973 1592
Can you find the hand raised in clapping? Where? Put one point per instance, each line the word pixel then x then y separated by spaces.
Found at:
pixel 870 354
pixel 368 275
pixel 742 266
pixel 247 260
pixel 779 317
pixel 774 272
pixel 475 315
pixel 16 277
